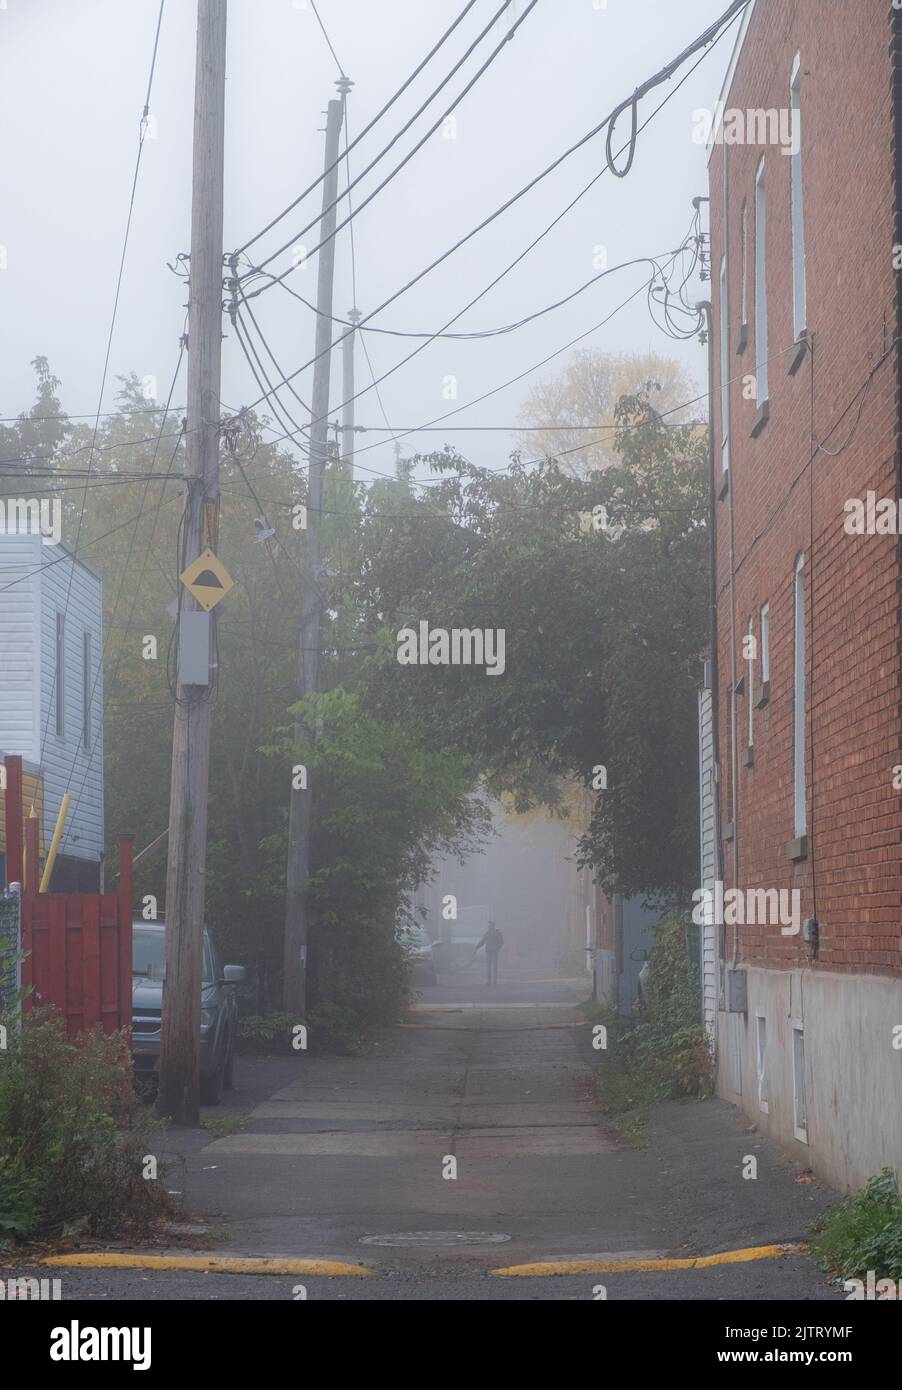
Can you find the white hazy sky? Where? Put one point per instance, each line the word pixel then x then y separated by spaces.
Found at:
pixel 72 80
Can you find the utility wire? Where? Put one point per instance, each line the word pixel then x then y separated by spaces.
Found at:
pixel 485 223
pixel 341 71
pixel 410 154
pixel 137 590
pixel 142 132
pixel 366 130
pixel 661 76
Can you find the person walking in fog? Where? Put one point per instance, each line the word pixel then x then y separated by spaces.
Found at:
pixel 492 941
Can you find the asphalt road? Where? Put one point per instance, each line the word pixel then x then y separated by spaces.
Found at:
pixel 468 1142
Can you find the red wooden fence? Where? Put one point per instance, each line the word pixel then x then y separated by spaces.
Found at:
pixel 79 945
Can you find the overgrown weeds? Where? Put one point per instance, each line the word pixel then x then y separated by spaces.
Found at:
pixel 864 1232
pixel 662 1053
pixel 74 1137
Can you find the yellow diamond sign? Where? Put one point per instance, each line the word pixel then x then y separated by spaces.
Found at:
pixel 207 579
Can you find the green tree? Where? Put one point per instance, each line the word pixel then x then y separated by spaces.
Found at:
pixel 604 630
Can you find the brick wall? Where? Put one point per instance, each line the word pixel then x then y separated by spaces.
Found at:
pixel 787 496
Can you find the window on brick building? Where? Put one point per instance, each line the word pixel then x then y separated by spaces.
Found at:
pixel 724 368
pixel 799 307
pixel 799 1088
pixel 798 716
pixel 761 1059
pixel 744 252
pixel 750 681
pixel 760 291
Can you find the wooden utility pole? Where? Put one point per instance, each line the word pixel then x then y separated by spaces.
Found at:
pixel 300 818
pixel 348 345
pixel 186 867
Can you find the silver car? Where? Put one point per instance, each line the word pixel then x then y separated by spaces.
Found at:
pixel 218 1016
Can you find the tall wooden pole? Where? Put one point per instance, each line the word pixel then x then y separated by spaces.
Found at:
pixel 300 818
pixel 348 390
pixel 186 867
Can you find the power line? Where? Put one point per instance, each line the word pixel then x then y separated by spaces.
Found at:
pixel 732 12
pixel 83 449
pixel 272 395
pixel 136 593
pixel 75 553
pixel 23 419
pixel 367 128
pixel 257 269
pixel 534 367
pixel 142 132
pixel 341 71
pixel 398 167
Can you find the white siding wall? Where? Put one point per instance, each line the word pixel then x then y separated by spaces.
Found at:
pixel 708 845
pixel 19 657
pixel 66 763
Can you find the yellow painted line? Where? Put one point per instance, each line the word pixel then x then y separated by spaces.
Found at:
pixel 725 1257
pixel 209 1264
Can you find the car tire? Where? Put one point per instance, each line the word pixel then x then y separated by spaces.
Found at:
pixel 228 1073
pixel 211 1086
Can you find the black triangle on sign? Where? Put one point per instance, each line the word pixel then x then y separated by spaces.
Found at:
pixel 208 580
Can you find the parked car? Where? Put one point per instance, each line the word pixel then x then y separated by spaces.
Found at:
pixel 218 1016
pixel 420 953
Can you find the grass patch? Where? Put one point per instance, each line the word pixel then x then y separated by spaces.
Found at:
pixel 225 1123
pixel 863 1232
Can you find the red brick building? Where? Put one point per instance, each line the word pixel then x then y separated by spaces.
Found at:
pixel 805 201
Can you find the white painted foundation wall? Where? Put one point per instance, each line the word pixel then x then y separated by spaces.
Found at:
pixel 852 1072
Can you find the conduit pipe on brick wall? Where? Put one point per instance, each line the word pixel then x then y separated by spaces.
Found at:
pixel 734 799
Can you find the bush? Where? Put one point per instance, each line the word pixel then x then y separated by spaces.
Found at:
pixel 269 1033
pixel 73 1136
pixel 663 1054
pixel 331 1028
pixel 864 1232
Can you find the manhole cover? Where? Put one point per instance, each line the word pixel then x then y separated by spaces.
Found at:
pixel 427 1238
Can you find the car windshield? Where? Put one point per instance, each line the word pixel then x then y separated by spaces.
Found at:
pixel 414 936
pixel 149 955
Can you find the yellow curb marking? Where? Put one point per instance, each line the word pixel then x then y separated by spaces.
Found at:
pixel 210 1264
pixel 726 1257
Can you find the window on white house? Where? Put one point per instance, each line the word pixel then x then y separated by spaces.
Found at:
pixel 799 1096
pixel 799 307
pixel 760 290
pixel 87 691
pixel 60 675
pixel 750 680
pixel 724 368
pixel 765 643
pixel 761 1057
pixel 798 721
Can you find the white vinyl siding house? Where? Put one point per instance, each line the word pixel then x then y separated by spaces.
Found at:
pixel 39 584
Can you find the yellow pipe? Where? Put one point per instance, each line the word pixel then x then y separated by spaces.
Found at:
pixel 54 844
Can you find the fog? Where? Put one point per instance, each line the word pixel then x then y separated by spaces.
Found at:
pixel 72 83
